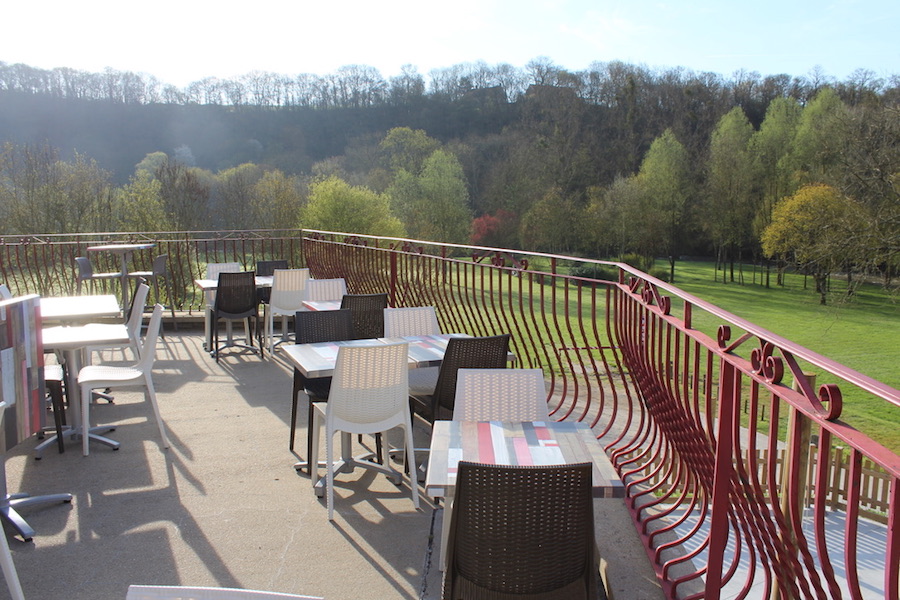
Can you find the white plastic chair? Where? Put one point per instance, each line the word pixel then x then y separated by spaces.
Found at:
pixel 288 294
pixel 368 396
pixel 212 272
pixel 320 290
pixel 500 395
pixel 5 293
pixel 172 592
pixel 94 377
pixel 133 325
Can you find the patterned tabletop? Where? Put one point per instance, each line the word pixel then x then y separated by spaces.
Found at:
pixel 516 443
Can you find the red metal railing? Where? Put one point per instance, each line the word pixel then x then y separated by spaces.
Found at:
pixel 694 422
pixel 45 264
pixel 742 479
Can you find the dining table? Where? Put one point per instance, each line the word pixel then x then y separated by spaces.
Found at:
pixel 124 252
pixel 72 342
pixel 78 309
pixel 318 360
pixel 512 443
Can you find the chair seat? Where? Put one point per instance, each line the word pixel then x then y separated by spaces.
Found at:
pixel 144 274
pixel 422 382
pixel 114 374
pixel 105 276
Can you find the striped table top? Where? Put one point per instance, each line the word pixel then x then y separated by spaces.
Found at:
pixel 516 443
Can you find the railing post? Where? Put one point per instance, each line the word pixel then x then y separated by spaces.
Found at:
pixel 723 474
pixel 392 299
pixel 793 497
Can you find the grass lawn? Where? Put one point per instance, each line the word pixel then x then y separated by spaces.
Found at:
pixel 861 331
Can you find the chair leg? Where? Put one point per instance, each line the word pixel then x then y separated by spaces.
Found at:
pixel 411 458
pixel 298 386
pixel 329 471
pixel 56 399
pixel 85 419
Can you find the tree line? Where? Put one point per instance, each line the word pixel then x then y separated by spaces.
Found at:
pixel 653 163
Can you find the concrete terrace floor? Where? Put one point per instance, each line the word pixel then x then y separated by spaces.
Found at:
pixel 224 506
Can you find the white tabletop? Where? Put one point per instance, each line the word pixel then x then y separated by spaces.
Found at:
pixel 78 308
pixel 210 285
pixel 121 247
pixel 317 360
pixel 320 305
pixel 516 443
pixel 92 334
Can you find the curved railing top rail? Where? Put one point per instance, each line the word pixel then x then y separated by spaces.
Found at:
pixel 858 379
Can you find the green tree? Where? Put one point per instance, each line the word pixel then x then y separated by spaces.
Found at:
pixel 820 136
pixel 335 205
pixel 140 207
pixel 728 210
pixel 551 224
pixel 184 194
pixel 434 205
pixel 819 230
pixel 235 200
pixel 770 153
pixel 277 201
pixel 406 148
pixel 665 182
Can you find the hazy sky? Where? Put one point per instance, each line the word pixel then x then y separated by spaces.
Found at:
pixel 186 40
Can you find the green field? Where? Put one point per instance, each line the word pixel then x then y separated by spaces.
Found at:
pixel 861 331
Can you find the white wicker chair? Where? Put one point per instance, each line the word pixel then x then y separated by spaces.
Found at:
pixel 94 377
pixel 288 294
pixel 171 592
pixel 414 320
pixel 500 395
pixel 133 324
pixel 368 396
pixel 320 290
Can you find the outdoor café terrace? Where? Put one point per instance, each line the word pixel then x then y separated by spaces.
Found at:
pixel 740 478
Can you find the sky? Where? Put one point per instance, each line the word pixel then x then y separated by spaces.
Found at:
pixel 183 41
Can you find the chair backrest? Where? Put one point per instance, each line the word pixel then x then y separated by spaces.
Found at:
pixel 370 384
pixel 266 268
pixel 236 295
pixel 326 289
pixel 212 272
pixel 368 313
pixel 411 320
pixel 500 395
pixel 5 293
pixel 172 592
pixel 85 270
pixel 148 348
pixel 136 315
pixel 546 513
pixel 488 352
pixel 288 289
pixel 161 265
pixel 311 327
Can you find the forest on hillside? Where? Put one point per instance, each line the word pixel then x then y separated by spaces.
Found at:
pixel 617 159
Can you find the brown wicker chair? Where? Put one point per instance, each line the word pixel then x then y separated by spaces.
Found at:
pixel 368 313
pixel 266 268
pixel 522 532
pixel 236 301
pixel 488 352
pixel 311 327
